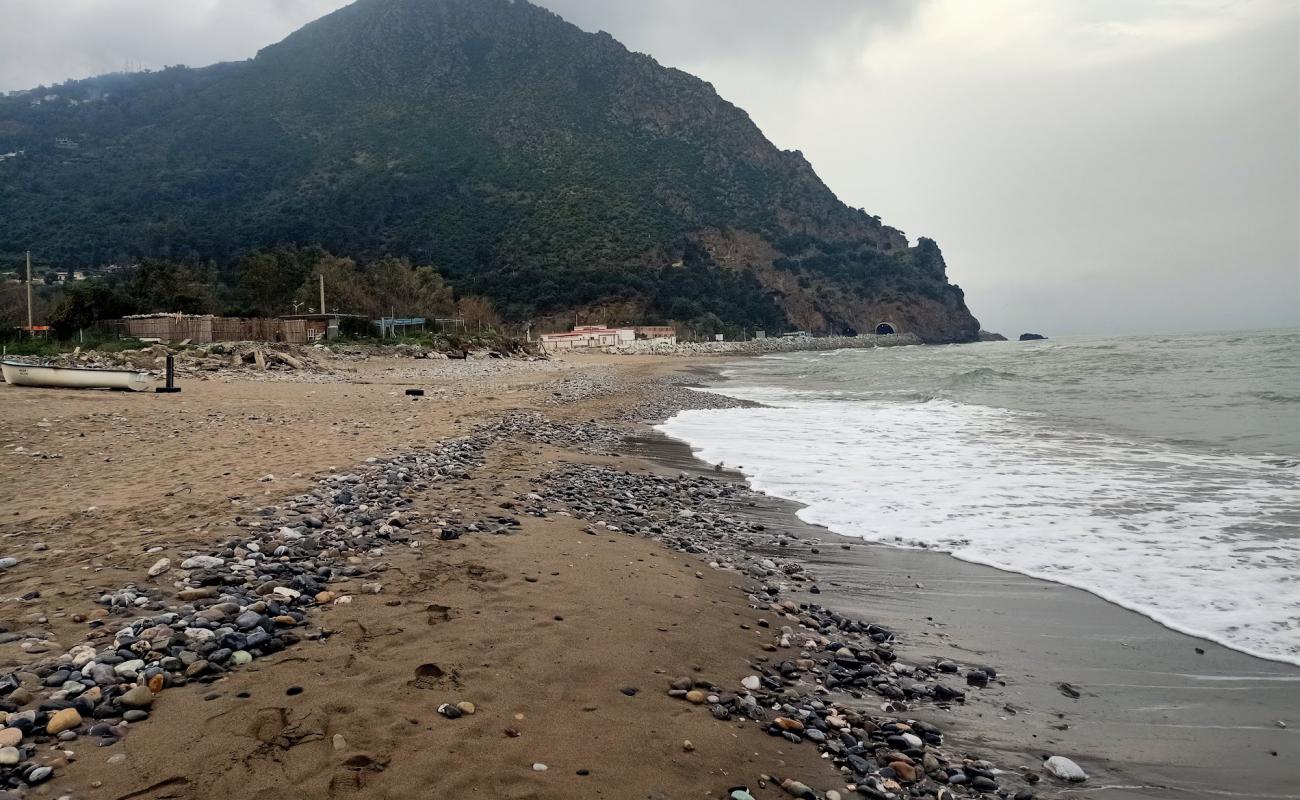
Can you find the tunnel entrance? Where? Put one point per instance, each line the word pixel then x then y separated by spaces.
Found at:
pixel 885 329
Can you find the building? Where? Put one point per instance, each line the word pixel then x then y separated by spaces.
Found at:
pixel 318 326
pixel 655 332
pixel 584 337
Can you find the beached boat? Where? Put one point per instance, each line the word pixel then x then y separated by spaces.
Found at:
pixel 74 377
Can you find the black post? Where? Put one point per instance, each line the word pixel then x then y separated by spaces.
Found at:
pixel 171 387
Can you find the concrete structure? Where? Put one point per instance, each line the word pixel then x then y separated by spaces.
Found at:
pixel 320 326
pixel 585 337
pixel 655 332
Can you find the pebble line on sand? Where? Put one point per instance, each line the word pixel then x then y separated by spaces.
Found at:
pixel 247 598
pixel 802 696
pixel 251 595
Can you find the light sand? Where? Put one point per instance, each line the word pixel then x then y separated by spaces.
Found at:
pixel 546 659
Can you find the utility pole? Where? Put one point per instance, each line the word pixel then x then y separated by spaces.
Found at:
pixel 29 292
pixel 322 293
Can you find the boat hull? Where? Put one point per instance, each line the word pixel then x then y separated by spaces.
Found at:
pixel 74 377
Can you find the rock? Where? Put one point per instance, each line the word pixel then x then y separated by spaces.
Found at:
pixel 139 697
pixel 202 562
pixel 136 715
pixel 449 711
pixel 787 724
pixel 10 737
pixel 128 669
pixel 797 789
pixel 159 567
pixel 466 707
pixel 696 696
pixel 340 744
pixel 39 775
pixel 539 767
pixel 9 756
pixel 751 682
pixel 1031 337
pixel 688 747
pixel 64 720
pixel 907 773
pixel 1065 769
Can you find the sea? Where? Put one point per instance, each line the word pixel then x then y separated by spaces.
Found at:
pixel 1161 473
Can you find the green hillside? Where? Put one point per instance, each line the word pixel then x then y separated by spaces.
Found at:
pixel 543 167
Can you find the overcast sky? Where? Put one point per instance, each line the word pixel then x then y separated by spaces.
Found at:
pixel 1086 165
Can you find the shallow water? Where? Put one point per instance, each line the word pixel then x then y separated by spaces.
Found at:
pixel 1161 473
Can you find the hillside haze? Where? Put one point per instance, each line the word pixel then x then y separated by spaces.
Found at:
pixel 549 169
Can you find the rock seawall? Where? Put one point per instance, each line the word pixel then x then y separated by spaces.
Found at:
pixel 762 346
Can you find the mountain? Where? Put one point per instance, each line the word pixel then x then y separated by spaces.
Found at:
pixel 544 167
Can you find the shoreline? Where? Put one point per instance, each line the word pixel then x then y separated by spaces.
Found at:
pixel 623 611
pixel 1156 718
pixel 1120 652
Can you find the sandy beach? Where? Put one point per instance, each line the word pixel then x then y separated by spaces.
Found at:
pixel 558 583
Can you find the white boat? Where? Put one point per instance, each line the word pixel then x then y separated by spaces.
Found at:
pixel 74 377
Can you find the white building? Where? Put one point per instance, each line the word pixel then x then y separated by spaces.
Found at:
pixel 585 337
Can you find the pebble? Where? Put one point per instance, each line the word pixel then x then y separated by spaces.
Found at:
pixel 9 755
pixel 539 767
pixel 339 742
pixel 159 567
pixel 39 775
pixel 202 562
pixel 1065 769
pixel 64 720
pixel 449 711
pixel 139 697
pixel 466 707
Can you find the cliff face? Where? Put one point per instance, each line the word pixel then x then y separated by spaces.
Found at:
pixel 545 167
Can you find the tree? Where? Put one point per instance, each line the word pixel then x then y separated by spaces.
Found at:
pixel 165 286
pixel 477 312
pixel 405 290
pixel 267 280
pixel 83 305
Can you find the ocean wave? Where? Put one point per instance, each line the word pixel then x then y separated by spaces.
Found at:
pixel 1274 397
pixel 1143 524
pixel 978 377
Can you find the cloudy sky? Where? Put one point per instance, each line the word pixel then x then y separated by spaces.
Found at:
pixel 1086 165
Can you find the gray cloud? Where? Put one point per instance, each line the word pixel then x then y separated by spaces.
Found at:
pixel 1086 166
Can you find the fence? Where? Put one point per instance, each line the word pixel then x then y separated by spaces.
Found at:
pixel 204 330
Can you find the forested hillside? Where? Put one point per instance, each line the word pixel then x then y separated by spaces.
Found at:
pixel 527 161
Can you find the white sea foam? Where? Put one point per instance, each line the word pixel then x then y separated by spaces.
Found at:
pixel 1203 543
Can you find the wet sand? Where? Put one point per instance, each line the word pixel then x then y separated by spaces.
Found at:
pixel 1155 719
